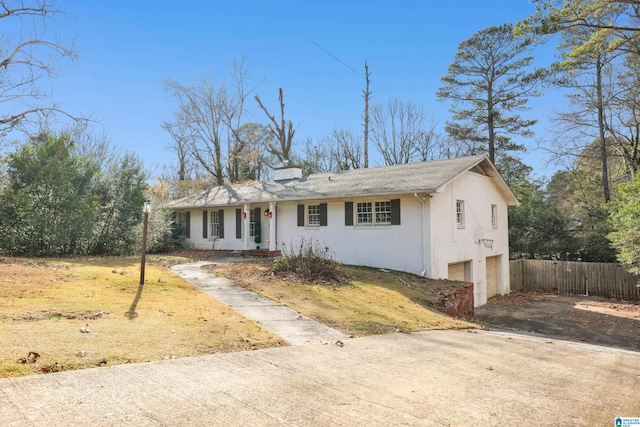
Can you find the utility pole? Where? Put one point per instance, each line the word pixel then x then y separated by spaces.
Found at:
pixel 367 96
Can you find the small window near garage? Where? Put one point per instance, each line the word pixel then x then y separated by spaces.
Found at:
pixel 215 224
pixel 460 213
pixel 494 216
pixel 364 214
pixel 313 215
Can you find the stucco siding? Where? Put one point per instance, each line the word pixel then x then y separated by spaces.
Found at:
pixel 196 239
pixel 453 244
pixel 397 247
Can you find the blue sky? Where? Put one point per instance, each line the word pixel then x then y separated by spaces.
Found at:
pixel 128 47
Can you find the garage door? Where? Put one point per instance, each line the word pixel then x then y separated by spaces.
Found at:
pixel 456 271
pixel 492 276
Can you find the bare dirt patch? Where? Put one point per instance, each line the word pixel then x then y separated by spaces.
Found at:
pixel 371 301
pixel 594 320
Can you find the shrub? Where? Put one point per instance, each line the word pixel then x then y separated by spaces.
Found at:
pixel 309 260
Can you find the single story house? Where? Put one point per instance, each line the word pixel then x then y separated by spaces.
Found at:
pixel 437 219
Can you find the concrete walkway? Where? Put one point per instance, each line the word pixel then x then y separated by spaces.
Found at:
pixel 434 378
pixel 294 327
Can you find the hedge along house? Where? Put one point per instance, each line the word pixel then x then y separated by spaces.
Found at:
pixel 438 219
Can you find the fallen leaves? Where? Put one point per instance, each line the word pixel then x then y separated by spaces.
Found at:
pixel 32 357
pixel 47 369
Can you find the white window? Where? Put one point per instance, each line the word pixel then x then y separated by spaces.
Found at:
pixel 313 215
pixel 252 223
pixel 460 213
pixel 383 212
pixel 215 224
pixel 364 213
pixel 374 213
pixel 494 216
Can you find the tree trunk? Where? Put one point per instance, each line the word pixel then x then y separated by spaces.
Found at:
pixel 492 135
pixel 603 141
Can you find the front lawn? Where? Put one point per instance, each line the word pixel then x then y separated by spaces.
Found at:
pixel 373 301
pixel 85 312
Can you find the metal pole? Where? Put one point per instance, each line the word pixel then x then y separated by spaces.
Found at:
pixel 144 247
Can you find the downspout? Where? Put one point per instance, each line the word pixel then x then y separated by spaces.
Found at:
pixel 424 264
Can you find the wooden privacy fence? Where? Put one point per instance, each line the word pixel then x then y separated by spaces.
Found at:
pixel 570 277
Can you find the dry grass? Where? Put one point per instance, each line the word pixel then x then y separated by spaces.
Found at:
pixel 373 302
pixel 44 303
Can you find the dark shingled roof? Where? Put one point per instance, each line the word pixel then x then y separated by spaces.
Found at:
pixel 423 177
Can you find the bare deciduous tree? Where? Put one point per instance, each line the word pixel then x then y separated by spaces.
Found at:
pixel 398 130
pixel 283 131
pixel 244 139
pixel 207 125
pixel 181 140
pixel 623 121
pixel 434 145
pixel 252 161
pixel 203 108
pixel 26 56
pixel 341 150
pixel 345 150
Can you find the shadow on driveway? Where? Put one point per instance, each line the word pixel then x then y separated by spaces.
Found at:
pixel 592 320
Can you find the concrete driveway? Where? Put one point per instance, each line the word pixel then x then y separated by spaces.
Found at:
pixel 435 378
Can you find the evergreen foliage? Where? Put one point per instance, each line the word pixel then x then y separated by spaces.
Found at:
pixel 58 200
pixel 625 223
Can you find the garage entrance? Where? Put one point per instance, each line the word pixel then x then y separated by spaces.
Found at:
pixel 460 271
pixel 492 263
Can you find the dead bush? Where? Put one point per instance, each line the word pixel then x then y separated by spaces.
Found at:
pixel 309 260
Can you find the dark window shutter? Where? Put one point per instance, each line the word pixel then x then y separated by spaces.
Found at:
pixel 221 227
pixel 187 227
pixel 348 213
pixel 300 215
pixel 323 214
pixel 238 223
pixel 204 224
pixel 257 214
pixel 395 211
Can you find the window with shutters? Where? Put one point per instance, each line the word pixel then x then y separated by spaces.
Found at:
pixel 383 212
pixel 313 215
pixel 364 213
pixel 215 224
pixel 377 213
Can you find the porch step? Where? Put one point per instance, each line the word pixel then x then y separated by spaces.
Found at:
pixel 262 253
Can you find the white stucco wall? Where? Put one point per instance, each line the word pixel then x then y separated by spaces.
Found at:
pixel 412 246
pixel 229 242
pixel 397 247
pixel 451 244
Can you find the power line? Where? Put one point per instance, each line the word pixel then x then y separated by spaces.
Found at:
pixel 334 57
